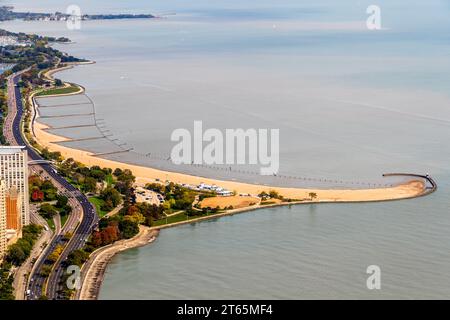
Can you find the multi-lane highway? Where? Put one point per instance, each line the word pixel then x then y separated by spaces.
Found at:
pixel 82 224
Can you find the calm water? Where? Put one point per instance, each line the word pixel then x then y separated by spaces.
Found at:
pixel 350 104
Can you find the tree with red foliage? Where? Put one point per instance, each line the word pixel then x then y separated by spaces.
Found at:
pixel 132 210
pixel 110 234
pixel 96 239
pixel 37 195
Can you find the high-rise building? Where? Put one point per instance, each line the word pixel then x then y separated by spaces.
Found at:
pixel 13 210
pixel 3 240
pixel 14 171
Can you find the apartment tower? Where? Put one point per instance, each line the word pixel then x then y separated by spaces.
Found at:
pixel 14 172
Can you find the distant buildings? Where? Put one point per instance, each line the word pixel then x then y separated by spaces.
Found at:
pixel 7 13
pixel 8 41
pixel 14 173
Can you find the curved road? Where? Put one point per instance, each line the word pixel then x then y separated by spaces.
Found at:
pixel 89 218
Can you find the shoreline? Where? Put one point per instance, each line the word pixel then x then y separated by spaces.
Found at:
pixel 95 267
pixel 146 175
pixel 149 175
pixel 93 270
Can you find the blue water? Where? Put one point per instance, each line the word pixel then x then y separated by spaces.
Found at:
pixel 350 104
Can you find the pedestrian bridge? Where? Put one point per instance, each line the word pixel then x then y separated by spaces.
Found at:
pixel 42 161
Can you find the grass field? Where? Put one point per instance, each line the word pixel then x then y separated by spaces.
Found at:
pixel 64 219
pixel 97 202
pixel 109 180
pixel 65 90
pixel 50 223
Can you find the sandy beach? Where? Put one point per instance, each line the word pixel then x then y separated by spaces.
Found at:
pixel 95 267
pixel 146 175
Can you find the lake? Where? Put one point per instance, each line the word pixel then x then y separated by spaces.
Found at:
pixel 350 104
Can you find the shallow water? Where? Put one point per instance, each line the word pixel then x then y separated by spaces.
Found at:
pixel 350 105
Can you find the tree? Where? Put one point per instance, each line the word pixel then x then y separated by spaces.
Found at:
pixel 68 236
pixel 47 211
pixel 110 234
pixel 275 195
pixel 126 176
pixel 98 174
pixel 46 270
pixel 37 195
pixel 136 218
pixel 168 204
pixel 15 255
pixel 128 228
pixel 62 201
pixel 66 210
pixel 89 185
pixel 47 185
pixel 6 285
pixel 18 252
pixel 111 197
pixel 263 195
pixel 157 187
pixel 54 256
pixel 117 172
pixel 77 257
pixel 148 221
pixel 312 195
pixel 96 239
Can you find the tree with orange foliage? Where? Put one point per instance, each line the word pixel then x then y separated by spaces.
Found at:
pixel 96 239
pixel 110 234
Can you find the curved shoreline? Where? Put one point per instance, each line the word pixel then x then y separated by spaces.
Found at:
pixel 94 269
pixel 147 174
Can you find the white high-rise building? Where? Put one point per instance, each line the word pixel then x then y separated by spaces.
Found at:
pixel 14 171
pixel 3 240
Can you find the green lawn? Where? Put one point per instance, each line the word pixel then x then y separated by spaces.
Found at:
pixel 172 219
pixel 109 180
pixel 50 223
pixel 97 202
pixel 64 219
pixel 72 182
pixel 65 90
